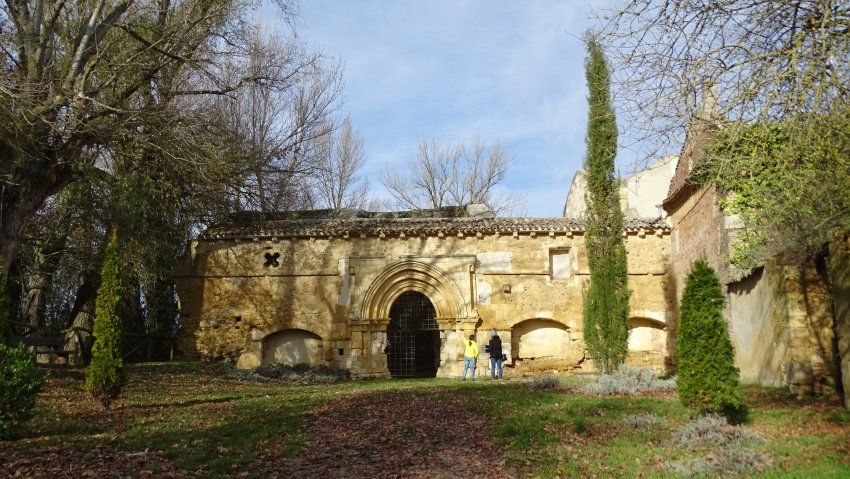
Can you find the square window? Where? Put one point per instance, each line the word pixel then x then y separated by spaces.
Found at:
pixel 560 263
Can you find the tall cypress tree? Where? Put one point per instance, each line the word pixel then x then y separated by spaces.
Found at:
pixel 606 301
pixel 105 374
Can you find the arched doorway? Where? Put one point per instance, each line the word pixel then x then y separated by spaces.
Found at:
pixel 413 348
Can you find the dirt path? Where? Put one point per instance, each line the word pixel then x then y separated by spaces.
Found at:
pixel 394 434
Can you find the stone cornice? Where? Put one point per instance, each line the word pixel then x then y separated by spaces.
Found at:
pixel 406 227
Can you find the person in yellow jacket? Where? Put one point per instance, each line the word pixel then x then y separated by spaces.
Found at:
pixel 470 354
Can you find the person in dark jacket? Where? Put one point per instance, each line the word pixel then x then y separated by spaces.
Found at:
pixel 494 347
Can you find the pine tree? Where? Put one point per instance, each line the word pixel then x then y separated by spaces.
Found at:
pixel 708 378
pixel 606 302
pixel 105 374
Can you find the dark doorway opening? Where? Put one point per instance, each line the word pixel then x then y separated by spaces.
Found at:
pixel 413 349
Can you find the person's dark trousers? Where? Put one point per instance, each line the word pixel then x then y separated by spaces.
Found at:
pixel 494 363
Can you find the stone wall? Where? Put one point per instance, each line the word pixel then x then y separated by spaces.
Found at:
pixel 758 336
pixel 780 316
pixel 236 293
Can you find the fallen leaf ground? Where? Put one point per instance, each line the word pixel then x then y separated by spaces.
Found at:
pixel 396 433
pixel 184 420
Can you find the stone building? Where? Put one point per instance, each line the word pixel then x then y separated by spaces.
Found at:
pixel 641 194
pixel 780 315
pixel 393 295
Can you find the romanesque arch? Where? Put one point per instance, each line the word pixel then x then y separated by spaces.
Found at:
pixel 412 275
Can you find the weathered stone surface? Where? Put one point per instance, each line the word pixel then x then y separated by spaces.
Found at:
pixel 337 278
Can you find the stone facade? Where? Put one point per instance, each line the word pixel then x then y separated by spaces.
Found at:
pixel 309 288
pixel 320 291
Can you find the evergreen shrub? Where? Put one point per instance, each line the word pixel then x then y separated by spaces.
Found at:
pixel 545 382
pixel 20 382
pixel 643 421
pixel 105 374
pixel 708 378
pixel 714 430
pixel 726 462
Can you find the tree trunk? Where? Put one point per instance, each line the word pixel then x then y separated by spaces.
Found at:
pixel 11 300
pixel 839 278
pixel 79 339
pixel 38 284
pixel 18 205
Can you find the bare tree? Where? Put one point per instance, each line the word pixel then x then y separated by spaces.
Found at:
pixel 452 175
pixel 483 170
pixel 429 179
pixel 278 126
pixel 340 182
pixel 74 77
pixel 772 59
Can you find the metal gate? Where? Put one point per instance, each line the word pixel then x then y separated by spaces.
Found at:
pixel 413 348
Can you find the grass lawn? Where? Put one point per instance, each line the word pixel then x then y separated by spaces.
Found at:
pixel 183 419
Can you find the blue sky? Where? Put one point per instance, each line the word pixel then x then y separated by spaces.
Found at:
pixel 506 70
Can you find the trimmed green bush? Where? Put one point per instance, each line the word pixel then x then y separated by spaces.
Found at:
pixel 20 382
pixel 606 301
pixel 708 378
pixel 105 374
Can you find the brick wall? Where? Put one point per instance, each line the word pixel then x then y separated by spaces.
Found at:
pixel 698 233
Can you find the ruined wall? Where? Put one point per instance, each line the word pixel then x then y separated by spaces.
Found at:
pixel 757 333
pixel 780 318
pixel 642 193
pixel 340 287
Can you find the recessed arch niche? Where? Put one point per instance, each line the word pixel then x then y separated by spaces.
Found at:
pixel 293 346
pixel 647 335
pixel 544 344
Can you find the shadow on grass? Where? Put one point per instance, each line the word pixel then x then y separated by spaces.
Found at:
pixel 215 441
